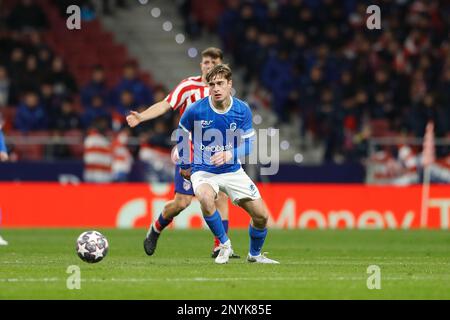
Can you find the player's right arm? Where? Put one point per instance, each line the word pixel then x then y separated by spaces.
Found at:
pixel 174 100
pixel 152 112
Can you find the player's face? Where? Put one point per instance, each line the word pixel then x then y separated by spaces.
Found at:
pixel 220 88
pixel 207 64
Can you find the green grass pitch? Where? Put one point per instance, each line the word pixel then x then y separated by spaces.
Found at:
pixel 314 265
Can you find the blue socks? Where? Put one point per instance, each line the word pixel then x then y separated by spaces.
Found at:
pixel 225 225
pixel 214 223
pixel 257 237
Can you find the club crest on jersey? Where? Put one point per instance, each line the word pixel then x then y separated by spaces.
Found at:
pixel 206 123
pixel 186 185
pixel 233 126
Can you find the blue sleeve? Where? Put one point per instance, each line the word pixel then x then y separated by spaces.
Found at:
pixel 184 134
pixel 2 143
pixel 247 123
pixel 244 148
pixel 248 136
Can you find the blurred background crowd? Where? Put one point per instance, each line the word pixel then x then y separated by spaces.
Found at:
pixel 310 60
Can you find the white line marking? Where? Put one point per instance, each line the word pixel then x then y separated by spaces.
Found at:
pixel 199 279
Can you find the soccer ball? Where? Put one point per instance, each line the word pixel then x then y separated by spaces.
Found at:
pixel 92 246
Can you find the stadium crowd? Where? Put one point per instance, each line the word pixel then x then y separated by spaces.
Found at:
pixel 316 60
pixel 320 62
pixel 39 90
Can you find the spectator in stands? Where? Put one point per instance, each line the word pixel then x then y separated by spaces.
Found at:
pixel 7 89
pixel 96 87
pixel 277 76
pixel 330 128
pixel 31 114
pixel 49 100
pixel 97 153
pixel 229 17
pixel 67 118
pixel 63 82
pixel 44 58
pixel 159 136
pixel 122 158
pixel 57 149
pixel 27 15
pixel 97 109
pixel 16 65
pixel 131 82
pixel 127 103
pixel 32 76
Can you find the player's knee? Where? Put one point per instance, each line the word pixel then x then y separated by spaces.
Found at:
pixel 260 218
pixel 260 221
pixel 207 203
pixel 206 200
pixel 182 202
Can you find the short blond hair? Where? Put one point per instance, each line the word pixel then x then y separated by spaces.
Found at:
pixel 220 69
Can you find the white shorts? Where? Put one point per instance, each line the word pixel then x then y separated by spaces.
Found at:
pixel 237 185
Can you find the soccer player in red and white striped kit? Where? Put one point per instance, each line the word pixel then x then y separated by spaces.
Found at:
pixel 185 93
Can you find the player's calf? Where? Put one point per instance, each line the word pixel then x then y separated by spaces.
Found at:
pixel 257 230
pixel 171 210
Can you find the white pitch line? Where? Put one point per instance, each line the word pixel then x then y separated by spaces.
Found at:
pixel 291 279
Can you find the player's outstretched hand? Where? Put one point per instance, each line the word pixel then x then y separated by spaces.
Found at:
pixel 134 118
pixel 220 158
pixel 186 173
pixel 3 156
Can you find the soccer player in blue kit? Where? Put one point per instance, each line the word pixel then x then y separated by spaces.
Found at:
pixel 181 97
pixel 220 128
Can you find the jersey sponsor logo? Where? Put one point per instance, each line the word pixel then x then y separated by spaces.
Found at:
pixel 216 148
pixel 206 123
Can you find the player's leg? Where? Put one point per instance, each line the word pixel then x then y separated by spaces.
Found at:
pixel 242 191
pixel 257 229
pixel 206 192
pixel 183 198
pixel 171 209
pixel 223 208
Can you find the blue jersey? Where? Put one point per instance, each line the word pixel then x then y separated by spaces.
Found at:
pixel 211 131
pixel 2 143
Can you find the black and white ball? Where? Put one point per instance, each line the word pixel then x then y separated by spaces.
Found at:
pixel 92 246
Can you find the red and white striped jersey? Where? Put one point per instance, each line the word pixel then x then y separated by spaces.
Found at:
pixel 122 159
pixel 97 158
pixel 187 92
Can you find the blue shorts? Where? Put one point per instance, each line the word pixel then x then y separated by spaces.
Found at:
pixel 182 185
